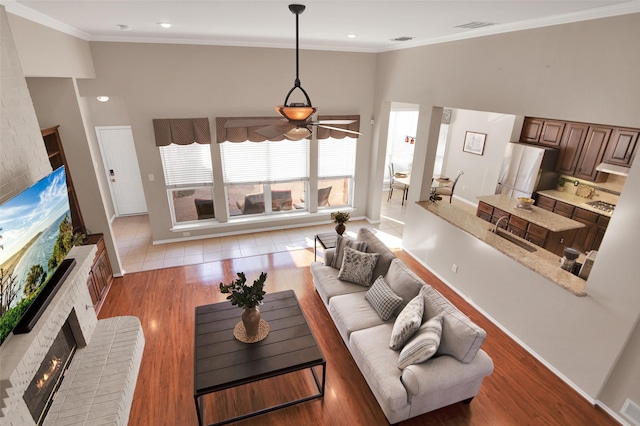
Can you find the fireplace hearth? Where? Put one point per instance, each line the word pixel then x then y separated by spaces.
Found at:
pixel 40 392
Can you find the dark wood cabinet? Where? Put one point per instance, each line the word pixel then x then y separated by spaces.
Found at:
pixel 101 274
pixel 585 236
pixel 570 147
pixel 592 153
pixel 563 209
pixel 53 144
pixel 531 129
pixel 485 211
pixel 545 203
pixel 542 132
pixel 622 147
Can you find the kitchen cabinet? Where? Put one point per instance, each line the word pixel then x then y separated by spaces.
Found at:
pixel 545 202
pixel 586 236
pixel 592 154
pixel 485 211
pixel 571 147
pixel 563 209
pixel 542 132
pixel 518 226
pixel 622 147
pixel 601 228
pixel 101 274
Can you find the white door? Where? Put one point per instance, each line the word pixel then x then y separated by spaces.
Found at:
pixel 121 166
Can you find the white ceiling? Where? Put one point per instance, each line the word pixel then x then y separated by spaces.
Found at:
pixel 324 25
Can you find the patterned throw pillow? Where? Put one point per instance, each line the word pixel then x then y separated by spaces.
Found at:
pixel 423 345
pixel 341 243
pixel 383 299
pixel 357 266
pixel 407 323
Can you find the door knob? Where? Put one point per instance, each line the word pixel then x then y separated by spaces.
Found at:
pixel 113 180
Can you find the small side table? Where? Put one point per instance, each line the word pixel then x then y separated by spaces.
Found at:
pixel 326 240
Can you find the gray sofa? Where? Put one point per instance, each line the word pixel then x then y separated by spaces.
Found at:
pixel 453 374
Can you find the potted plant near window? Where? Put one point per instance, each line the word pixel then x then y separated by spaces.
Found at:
pixel 247 297
pixel 340 218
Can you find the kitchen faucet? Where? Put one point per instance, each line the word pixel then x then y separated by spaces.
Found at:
pixel 495 229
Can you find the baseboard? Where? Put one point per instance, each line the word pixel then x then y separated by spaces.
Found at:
pixel 510 334
pixel 616 416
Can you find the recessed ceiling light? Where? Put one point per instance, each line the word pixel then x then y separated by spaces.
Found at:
pixel 103 98
pixel 352 35
pixel 164 24
pixel 124 27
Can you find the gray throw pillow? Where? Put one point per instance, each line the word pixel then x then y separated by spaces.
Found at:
pixel 383 299
pixel 407 323
pixel 341 243
pixel 423 345
pixel 357 266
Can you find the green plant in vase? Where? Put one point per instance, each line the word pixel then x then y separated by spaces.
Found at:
pixel 247 297
pixel 340 218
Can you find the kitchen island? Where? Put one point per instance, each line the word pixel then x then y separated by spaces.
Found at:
pixel 540 261
pixel 538 226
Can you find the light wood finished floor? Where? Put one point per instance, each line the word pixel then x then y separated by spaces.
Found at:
pixel 521 391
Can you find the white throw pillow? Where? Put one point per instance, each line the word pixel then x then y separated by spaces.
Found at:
pixel 407 323
pixel 423 345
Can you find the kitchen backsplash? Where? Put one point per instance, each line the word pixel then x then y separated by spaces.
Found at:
pixel 614 184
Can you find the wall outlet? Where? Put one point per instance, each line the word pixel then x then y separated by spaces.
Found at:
pixel 454 268
pixel 151 177
pixel 186 234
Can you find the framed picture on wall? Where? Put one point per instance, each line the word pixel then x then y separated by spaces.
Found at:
pixel 474 142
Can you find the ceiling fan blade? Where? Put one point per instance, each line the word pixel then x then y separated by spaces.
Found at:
pixel 334 122
pixel 252 122
pixel 275 130
pixel 338 128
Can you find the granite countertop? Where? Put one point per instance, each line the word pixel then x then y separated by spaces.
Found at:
pixel 541 217
pixel 578 201
pixel 541 261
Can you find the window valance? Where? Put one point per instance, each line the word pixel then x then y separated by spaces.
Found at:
pixel 181 131
pixel 242 134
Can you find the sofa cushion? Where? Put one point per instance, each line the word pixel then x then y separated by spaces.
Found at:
pixel 325 279
pixel 423 345
pixel 403 281
pixel 374 245
pixel 341 243
pixel 383 299
pixel 461 337
pixel 407 323
pixel 357 266
pixel 352 312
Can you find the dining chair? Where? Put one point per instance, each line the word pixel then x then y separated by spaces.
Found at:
pixel 447 191
pixel 395 185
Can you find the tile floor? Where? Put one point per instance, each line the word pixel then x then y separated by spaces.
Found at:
pixel 138 253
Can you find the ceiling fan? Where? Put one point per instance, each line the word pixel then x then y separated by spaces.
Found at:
pixel 297 116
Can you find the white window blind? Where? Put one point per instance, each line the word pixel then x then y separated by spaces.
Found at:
pixel 265 162
pixel 187 165
pixel 336 157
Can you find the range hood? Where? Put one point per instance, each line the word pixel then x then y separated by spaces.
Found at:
pixel 613 169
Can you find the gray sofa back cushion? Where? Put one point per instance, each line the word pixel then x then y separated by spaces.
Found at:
pixel 374 245
pixel 403 281
pixel 341 243
pixel 461 337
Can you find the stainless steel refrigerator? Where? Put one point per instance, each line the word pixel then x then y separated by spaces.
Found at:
pixel 527 169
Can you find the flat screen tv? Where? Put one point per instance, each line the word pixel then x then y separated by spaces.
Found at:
pixel 35 236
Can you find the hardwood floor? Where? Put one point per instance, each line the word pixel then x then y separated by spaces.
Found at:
pixel 520 390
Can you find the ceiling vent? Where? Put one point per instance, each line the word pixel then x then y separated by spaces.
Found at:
pixel 403 38
pixel 474 25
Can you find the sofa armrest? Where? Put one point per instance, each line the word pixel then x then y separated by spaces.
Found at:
pixel 444 372
pixel 328 256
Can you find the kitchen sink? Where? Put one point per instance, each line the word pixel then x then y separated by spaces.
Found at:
pixel 515 240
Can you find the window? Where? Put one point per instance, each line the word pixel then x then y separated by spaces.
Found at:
pixel 188 174
pixel 336 168
pixel 265 177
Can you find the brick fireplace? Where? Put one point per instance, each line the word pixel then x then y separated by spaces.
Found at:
pixel 23 354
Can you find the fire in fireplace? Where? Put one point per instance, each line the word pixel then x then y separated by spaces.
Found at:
pixel 39 394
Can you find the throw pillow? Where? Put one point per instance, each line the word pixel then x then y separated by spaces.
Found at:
pixel 461 337
pixel 341 243
pixel 383 299
pixel 423 345
pixel 407 323
pixel 357 266
pixel 375 245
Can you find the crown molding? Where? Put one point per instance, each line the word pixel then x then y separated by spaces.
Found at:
pixel 39 18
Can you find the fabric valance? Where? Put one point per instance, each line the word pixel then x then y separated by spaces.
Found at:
pixel 242 134
pixel 181 131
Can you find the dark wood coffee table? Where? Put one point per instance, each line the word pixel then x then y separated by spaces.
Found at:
pixel 222 362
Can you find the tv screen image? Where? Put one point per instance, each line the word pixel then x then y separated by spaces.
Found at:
pixel 36 234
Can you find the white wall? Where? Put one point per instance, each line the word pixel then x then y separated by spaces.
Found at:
pixel 560 72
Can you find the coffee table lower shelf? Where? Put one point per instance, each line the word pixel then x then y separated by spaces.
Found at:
pixel 222 362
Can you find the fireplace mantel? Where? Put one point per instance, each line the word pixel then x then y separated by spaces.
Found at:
pixel 22 354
